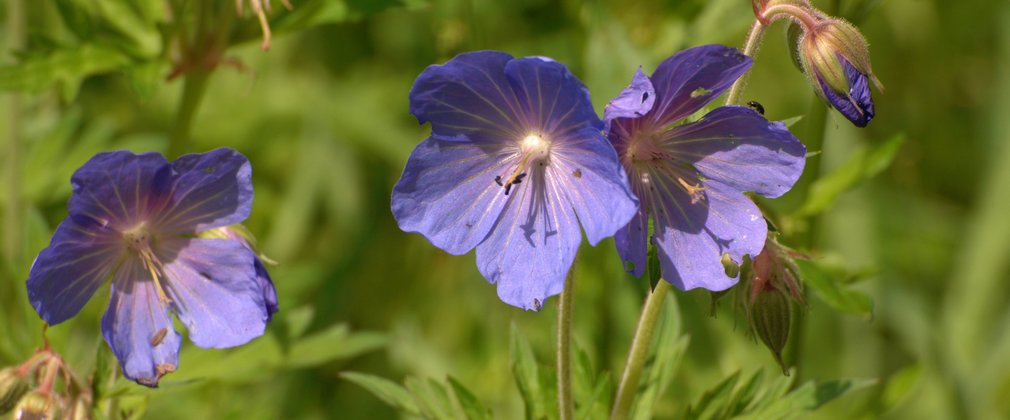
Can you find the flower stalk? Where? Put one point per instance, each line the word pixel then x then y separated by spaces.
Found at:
pixel 639 352
pixel 565 403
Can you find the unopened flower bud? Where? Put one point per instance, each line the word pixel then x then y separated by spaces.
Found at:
pixel 37 405
pixel 12 388
pixel 771 316
pixel 836 59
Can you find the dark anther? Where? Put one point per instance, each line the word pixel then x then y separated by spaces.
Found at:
pixel 507 188
pixel 757 107
pixel 519 178
pixel 497 180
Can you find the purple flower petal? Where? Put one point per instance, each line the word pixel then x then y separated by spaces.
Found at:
pixel 448 193
pixel 468 99
pixel 552 101
pixel 593 183
pixel 210 190
pixel 119 189
pixel 66 273
pixel 214 290
pixel 691 78
pixel 631 242
pixel 531 248
pixel 739 147
pixel 138 326
pixel 634 101
pixel 691 258
pixel 856 104
pixel 269 291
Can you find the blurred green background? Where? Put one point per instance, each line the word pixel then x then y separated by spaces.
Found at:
pixel 323 118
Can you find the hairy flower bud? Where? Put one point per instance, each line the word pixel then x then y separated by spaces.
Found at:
pixel 836 59
pixel 37 405
pixel 12 388
pixel 771 316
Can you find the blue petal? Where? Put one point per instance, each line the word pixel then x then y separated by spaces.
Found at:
pixel 691 257
pixel 66 274
pixel 269 291
pixel 138 326
pixel 531 248
pixel 634 101
pixel 551 100
pixel 740 148
pixel 691 78
pixel 448 193
pixel 856 104
pixel 210 190
pixel 593 182
pixel 468 99
pixel 631 242
pixel 119 189
pixel 214 290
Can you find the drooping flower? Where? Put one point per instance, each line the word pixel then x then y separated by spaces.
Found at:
pixel 690 178
pixel 516 161
pixel 137 219
pixel 837 62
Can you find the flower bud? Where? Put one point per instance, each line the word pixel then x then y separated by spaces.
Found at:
pixel 771 316
pixel 836 59
pixel 12 388
pixel 37 405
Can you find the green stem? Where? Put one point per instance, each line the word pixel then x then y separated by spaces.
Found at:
pixel 565 402
pixel 12 212
pixel 194 87
pixel 750 49
pixel 639 351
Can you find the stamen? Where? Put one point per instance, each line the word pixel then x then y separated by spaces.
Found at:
pixel 695 191
pixel 533 149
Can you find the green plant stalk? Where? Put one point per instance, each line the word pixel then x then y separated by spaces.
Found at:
pixel 566 406
pixel 195 85
pixel 750 49
pixel 639 352
pixel 12 212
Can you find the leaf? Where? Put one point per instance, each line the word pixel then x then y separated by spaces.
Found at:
pixel 388 391
pixel 865 163
pixel 588 389
pixel 472 408
pixel 527 375
pixel 332 344
pixel 899 385
pixel 832 292
pixel 806 399
pixel 714 401
pixel 431 397
pixel 64 67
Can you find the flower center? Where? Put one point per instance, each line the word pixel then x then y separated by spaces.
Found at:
pixel 138 240
pixel 533 150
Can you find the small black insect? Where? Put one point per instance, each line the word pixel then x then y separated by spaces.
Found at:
pixel 755 105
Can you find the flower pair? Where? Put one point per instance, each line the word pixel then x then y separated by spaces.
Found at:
pixel 163 233
pixel 518 160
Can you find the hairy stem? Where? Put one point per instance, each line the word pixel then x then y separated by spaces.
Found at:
pixel 565 403
pixel 12 213
pixel 750 49
pixel 639 351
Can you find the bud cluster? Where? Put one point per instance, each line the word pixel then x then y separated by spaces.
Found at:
pixel 43 387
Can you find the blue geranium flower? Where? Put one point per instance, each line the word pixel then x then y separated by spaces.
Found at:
pixel 690 178
pixel 138 219
pixel 516 161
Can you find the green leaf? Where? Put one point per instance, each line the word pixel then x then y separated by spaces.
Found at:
pixel 65 67
pixel 899 386
pixel 140 37
pixel 805 399
pixel 588 389
pixel 472 408
pixel 527 375
pixel 832 292
pixel 332 344
pixel 865 163
pixel 432 398
pixel 714 401
pixel 388 391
